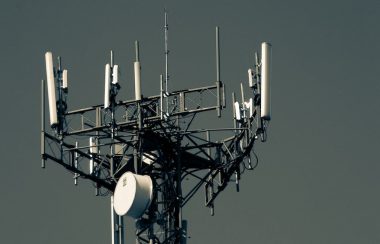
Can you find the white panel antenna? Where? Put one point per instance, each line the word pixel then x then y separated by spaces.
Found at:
pixel 51 88
pixel 107 86
pixel 265 80
pixel 93 151
pixel 115 74
pixel 250 78
pixel 137 81
pixel 237 111
pixel 64 79
pixel 249 107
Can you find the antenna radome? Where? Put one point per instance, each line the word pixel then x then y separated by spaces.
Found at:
pixel 51 89
pixel 265 80
pixel 107 86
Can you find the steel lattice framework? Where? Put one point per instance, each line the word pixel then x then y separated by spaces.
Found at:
pixel 153 136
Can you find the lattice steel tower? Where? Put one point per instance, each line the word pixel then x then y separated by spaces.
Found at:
pixel 140 151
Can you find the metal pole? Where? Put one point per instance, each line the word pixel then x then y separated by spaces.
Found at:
pixel 166 52
pixel 178 210
pixel 211 188
pixel 137 51
pixel 60 109
pixel 111 59
pixel 42 124
pixel 76 164
pixel 217 51
pixel 161 97
pixel 217 55
pixel 121 229
pixel 166 62
pixel 114 231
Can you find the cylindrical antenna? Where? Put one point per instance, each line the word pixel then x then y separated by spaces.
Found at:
pixel 107 86
pixel 217 54
pixel 265 80
pixel 64 79
pixel 51 89
pixel 137 68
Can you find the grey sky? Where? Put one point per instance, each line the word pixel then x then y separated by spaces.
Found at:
pixel 318 178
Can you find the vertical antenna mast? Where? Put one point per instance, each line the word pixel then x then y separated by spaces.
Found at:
pixel 111 58
pixel 166 52
pixel 43 124
pixel 166 27
pixel 217 55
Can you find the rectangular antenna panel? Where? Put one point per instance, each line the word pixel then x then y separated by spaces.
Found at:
pixel 250 78
pixel 93 150
pixel 237 111
pixel 64 79
pixel 107 86
pixel 115 74
pixel 249 107
pixel 51 88
pixel 137 81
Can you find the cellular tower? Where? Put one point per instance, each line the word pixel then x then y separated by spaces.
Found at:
pixel 140 151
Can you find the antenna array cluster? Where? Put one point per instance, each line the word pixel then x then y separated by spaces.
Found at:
pixel 140 151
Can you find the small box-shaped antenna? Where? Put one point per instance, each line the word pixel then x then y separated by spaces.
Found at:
pixel 107 86
pixel 93 151
pixel 64 79
pixel 115 74
pixel 51 89
pixel 265 80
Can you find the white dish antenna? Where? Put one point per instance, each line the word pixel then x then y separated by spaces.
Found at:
pixel 265 80
pixel 107 86
pixel 133 195
pixel 51 88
